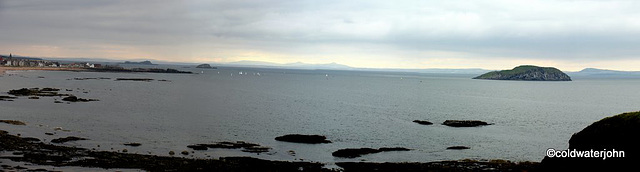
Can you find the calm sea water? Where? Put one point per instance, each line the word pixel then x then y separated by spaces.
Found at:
pixel 353 109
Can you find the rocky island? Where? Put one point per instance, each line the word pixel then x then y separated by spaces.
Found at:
pixel 205 66
pixel 147 62
pixel 527 73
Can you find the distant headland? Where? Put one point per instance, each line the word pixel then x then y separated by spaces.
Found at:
pixel 527 73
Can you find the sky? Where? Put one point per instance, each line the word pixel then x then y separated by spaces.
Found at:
pixel 489 34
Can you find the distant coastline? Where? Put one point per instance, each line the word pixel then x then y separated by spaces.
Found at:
pixel 3 69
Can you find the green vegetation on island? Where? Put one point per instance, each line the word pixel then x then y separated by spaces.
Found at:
pixel 527 73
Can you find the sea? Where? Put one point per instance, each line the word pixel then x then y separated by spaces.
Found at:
pixel 353 109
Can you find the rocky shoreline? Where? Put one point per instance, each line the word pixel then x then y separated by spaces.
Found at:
pixel 34 151
pixel 116 70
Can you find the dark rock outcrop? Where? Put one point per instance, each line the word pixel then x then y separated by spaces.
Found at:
pixel 617 133
pixel 422 122
pixel 464 123
pixel 357 152
pixel 299 138
pixel 527 73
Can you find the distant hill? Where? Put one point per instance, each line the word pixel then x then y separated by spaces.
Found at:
pixel 297 65
pixel 604 73
pixel 336 66
pixel 527 73
pixel 593 72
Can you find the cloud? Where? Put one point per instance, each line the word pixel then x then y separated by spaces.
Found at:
pixel 398 30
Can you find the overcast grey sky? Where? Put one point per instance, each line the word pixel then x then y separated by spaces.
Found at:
pixel 492 34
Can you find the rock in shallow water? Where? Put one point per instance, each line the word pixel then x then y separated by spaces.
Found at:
pixel 76 99
pixel 299 138
pixel 464 123
pixel 422 122
pixel 458 147
pixel 132 144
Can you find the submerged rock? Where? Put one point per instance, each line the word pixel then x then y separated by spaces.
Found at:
pixel 256 149
pixel 353 152
pixel 198 147
pixel 67 139
pixel 134 79
pixel 464 123
pixel 422 122
pixel 299 138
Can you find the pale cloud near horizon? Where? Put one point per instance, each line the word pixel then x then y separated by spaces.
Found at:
pixel 491 34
